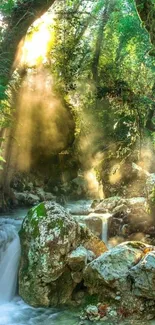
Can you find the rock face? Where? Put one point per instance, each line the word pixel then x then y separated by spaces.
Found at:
pixel 107 205
pixel 111 269
pixel 55 250
pixel 125 273
pixel 143 275
pixel 94 223
pixel 30 199
pixel 129 217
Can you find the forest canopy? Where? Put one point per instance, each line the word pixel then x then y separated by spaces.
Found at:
pixel 95 61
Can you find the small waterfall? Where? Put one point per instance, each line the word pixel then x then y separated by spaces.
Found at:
pixel 9 261
pixel 104 217
pixel 105 230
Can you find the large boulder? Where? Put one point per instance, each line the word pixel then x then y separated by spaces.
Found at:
pixel 93 222
pixel 143 276
pixel 108 205
pixel 109 273
pixel 32 199
pixel 55 250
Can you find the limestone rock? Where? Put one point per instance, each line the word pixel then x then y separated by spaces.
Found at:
pixel 92 313
pixel 107 205
pixel 111 269
pixel 21 197
pixel 77 259
pixel 49 196
pixel 53 243
pixel 143 276
pixel 32 199
pixel 129 217
pixel 40 192
pixel 93 222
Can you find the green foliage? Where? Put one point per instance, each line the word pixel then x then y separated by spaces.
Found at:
pixel 106 80
pixel 2 160
pixel 101 67
pixel 7 6
pixel 3 94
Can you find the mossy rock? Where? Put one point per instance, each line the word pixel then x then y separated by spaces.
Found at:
pixel 48 235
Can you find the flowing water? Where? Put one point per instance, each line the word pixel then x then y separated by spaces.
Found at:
pixel 104 217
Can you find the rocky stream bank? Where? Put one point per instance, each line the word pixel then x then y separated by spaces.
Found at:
pixel 98 256
pixel 64 263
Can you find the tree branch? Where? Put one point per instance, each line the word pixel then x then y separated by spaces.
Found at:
pixel 22 17
pixel 146 11
pixel 149 124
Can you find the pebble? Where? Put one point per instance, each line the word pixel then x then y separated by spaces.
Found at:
pixel 92 310
pixel 113 313
pixel 118 298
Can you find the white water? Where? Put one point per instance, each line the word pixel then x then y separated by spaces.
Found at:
pixel 104 217
pixel 9 259
pixel 8 270
pixel 104 230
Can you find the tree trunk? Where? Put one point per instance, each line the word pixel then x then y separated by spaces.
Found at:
pixel 146 11
pixel 21 18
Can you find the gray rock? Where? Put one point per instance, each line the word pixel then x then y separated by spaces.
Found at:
pixel 143 277
pixel 29 186
pixel 49 196
pixel 77 259
pixel 108 205
pixel 111 269
pixel 21 197
pixel 129 217
pixel 32 199
pixel 93 222
pixel 92 309
pixel 49 235
pixel 40 192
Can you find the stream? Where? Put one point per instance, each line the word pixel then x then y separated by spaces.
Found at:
pixel 13 310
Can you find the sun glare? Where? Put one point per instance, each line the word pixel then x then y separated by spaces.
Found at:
pixel 36 45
